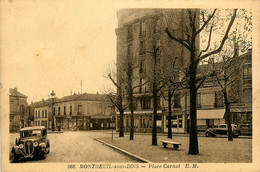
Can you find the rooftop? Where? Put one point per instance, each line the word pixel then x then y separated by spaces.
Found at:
pixel 15 93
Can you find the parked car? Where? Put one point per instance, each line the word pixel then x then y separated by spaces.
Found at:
pixel 222 130
pixel 32 143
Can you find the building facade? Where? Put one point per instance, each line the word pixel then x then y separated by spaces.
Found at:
pixel 142 30
pixel 75 112
pixel 18 106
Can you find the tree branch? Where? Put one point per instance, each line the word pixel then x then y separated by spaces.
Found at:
pixel 177 40
pixel 224 38
pixel 206 22
pixel 202 51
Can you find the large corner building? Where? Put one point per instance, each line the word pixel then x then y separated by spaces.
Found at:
pixel 139 32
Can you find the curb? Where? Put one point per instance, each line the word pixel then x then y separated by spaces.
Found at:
pixel 138 158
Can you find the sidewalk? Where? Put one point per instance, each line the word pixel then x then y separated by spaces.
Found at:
pixel 200 134
pixel 212 150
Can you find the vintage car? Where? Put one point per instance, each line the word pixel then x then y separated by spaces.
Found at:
pixel 32 143
pixel 222 130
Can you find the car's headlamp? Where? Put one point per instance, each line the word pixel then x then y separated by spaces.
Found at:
pixel 35 144
pixel 20 146
pixel 42 145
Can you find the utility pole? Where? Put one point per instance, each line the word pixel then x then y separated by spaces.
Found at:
pixel 52 110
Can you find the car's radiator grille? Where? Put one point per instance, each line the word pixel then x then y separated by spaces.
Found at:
pixel 28 147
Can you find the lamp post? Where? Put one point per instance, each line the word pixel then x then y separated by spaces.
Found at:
pixel 52 110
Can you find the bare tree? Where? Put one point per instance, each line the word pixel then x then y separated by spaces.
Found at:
pixel 191 43
pixel 129 66
pixel 172 82
pixel 117 96
pixel 155 42
pixel 225 72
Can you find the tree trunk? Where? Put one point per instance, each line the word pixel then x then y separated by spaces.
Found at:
pixel 227 109
pixel 132 118
pixel 121 124
pixel 154 134
pixel 170 114
pixel 193 146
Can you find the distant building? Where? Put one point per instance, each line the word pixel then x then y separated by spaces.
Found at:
pixel 75 112
pixel 42 112
pixel 83 111
pixel 18 105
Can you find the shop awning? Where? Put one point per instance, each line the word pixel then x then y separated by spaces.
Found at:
pixel 211 114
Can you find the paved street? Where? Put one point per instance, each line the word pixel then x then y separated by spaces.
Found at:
pixel 78 146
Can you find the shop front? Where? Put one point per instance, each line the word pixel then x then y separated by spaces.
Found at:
pixel 143 121
pixel 209 118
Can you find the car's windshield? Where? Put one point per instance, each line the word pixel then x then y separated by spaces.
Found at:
pixel 30 133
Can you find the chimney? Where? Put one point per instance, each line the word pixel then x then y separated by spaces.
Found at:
pixel 15 88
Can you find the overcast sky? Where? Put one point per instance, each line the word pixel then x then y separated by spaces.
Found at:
pixel 53 46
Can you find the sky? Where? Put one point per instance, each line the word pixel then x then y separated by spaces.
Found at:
pixel 53 46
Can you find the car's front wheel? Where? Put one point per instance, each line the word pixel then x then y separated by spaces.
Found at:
pixel 48 147
pixel 42 155
pixel 16 158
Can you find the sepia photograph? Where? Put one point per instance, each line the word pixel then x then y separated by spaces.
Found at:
pixel 126 86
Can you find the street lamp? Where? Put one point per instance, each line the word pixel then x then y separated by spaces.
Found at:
pixel 52 110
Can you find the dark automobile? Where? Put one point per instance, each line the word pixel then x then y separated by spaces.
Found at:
pixel 32 143
pixel 222 130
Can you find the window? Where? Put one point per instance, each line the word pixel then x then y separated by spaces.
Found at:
pixel 70 110
pixel 247 71
pixel 64 110
pixel 45 113
pixel 53 112
pixel 58 110
pixel 177 101
pixel 142 66
pixel 219 99
pixel 198 100
pixel 142 28
pixel 180 123
pixel 39 114
pixel 145 102
pixel 22 109
pixel 129 32
pixel 142 86
pixel 158 103
pixel 247 95
pixel 79 109
pixel 142 47
pixel 157 26
pixel 100 108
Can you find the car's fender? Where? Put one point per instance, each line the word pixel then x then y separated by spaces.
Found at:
pixel 16 150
